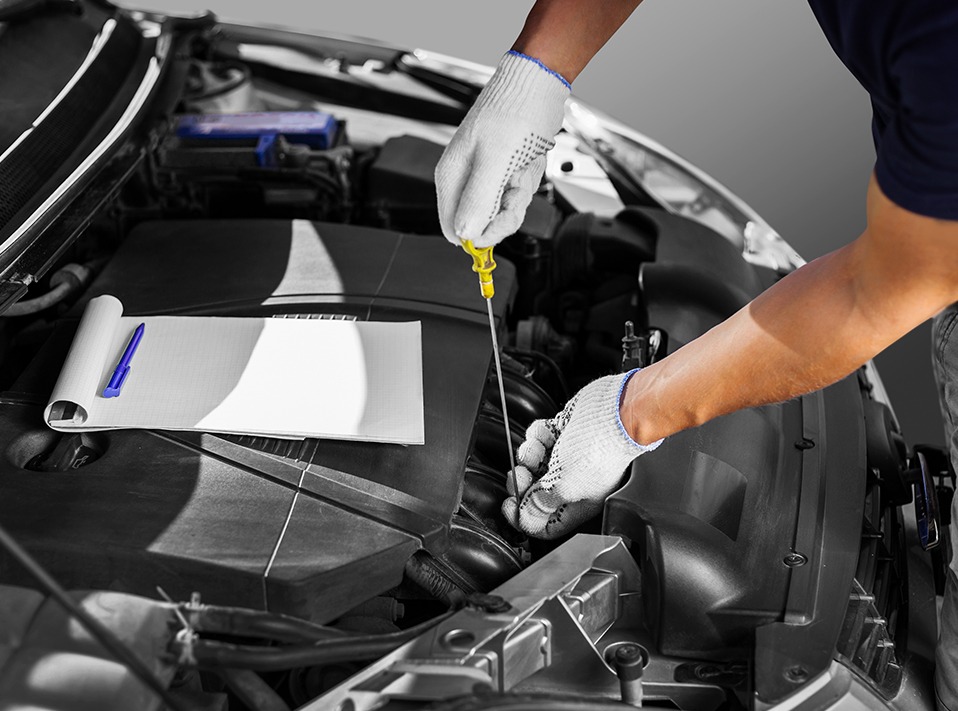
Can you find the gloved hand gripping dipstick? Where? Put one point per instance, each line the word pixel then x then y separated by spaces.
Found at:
pixel 483 264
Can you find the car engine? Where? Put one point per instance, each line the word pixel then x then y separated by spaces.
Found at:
pixel 741 561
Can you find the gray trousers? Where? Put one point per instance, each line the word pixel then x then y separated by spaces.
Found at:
pixel 945 363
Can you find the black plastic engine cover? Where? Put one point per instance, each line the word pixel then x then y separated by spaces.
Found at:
pixel 747 529
pixel 307 528
pixel 706 514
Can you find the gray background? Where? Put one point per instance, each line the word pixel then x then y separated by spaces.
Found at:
pixel 748 90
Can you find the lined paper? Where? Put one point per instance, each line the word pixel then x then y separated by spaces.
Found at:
pixel 287 378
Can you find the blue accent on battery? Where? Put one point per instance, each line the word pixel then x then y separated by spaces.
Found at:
pixel 315 129
pixel 265 155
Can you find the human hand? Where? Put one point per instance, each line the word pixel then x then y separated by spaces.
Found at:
pixel 493 165
pixel 568 465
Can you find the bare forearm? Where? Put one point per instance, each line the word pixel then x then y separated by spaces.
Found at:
pixel 566 34
pixel 809 330
pixel 800 335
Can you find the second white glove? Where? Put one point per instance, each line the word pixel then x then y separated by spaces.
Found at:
pixel 568 465
pixel 491 168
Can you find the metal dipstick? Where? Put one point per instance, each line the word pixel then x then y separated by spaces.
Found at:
pixel 502 396
pixel 483 265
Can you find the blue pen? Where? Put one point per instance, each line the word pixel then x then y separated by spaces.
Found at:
pixel 123 367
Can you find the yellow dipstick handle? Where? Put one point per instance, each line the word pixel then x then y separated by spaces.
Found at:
pixel 482 264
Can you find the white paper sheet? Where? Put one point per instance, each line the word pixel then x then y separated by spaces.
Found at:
pixel 287 378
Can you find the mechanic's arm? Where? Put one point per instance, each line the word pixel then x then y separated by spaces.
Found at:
pixel 494 164
pixel 809 330
pixel 812 328
pixel 565 34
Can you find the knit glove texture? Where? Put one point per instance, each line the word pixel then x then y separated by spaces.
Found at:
pixel 494 163
pixel 568 465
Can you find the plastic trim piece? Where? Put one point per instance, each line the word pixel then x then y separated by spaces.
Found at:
pixel 790 653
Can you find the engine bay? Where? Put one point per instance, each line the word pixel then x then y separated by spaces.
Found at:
pixel 273 188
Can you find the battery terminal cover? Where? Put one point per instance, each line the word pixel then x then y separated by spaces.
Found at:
pixel 315 129
pixel 267 139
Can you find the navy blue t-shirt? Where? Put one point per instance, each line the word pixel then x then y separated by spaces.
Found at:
pixel 905 54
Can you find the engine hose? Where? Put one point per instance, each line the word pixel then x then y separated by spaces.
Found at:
pixel 208 654
pixel 490 443
pixel 529 395
pixel 527 702
pixel 586 244
pixel 254 623
pixel 64 282
pixel 520 353
pixel 422 573
pixel 241 75
pixel 250 688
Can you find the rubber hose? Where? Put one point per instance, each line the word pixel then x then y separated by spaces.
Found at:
pixel 64 282
pixel 220 655
pixel 520 353
pixel 228 85
pixel 32 306
pixel 434 582
pixel 250 688
pixel 264 625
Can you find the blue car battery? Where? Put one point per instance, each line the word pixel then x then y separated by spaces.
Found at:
pixel 254 131
pixel 313 128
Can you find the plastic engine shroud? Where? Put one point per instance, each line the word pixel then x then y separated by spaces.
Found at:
pixel 306 528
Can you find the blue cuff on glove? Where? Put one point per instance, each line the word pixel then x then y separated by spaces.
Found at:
pixel 542 66
pixel 618 416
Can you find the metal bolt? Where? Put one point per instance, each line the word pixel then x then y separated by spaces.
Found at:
pixel 796 674
pixel 804 443
pixel 794 560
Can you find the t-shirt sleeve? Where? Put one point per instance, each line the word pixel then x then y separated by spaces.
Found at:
pixel 917 162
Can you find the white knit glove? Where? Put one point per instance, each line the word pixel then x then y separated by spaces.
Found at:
pixel 590 450
pixel 493 165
